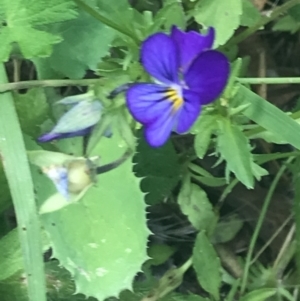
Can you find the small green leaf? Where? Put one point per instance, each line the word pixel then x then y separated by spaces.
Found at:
pixel 203 128
pixel 250 14
pixel 207 265
pixel 259 295
pixel 159 253
pixel 224 16
pixel 159 167
pixel 286 23
pixel 196 206
pixel 227 229
pixel 268 116
pixel 234 147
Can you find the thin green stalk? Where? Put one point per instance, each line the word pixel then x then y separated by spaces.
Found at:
pixel 297 214
pixel 16 167
pixel 260 222
pixel 47 83
pixel 262 22
pixel 268 80
pixel 106 21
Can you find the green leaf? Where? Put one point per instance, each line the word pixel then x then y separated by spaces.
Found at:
pixel 224 16
pixel 207 265
pixel 85 42
pixel 250 14
pixel 159 167
pixel 101 239
pixel 259 295
pixel 159 253
pixel 268 116
pixel 194 203
pixel 227 229
pixel 32 109
pixel 22 21
pixel 203 128
pixel 11 259
pixel 234 147
pixel 286 23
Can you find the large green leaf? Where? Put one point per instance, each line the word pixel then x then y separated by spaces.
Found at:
pixel 21 21
pixel 159 167
pixel 207 265
pixel 268 116
pixel 101 239
pixel 234 147
pixel 86 41
pixel 224 16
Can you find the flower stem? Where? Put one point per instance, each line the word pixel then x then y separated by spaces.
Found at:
pixel 268 80
pixel 47 83
pixel 260 222
pixel 262 22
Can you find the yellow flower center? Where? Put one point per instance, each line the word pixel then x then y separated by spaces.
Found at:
pixel 175 98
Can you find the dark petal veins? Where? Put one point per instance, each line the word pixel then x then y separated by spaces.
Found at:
pixel 208 75
pixel 147 102
pixel 160 59
pixel 189 112
pixel 158 132
pixel 191 44
pixel 56 136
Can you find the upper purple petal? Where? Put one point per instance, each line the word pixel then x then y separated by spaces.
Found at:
pixel 208 75
pixel 189 112
pixel 158 132
pixel 146 102
pixel 191 44
pixel 159 55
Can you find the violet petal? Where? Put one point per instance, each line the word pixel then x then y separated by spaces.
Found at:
pixel 208 75
pixel 189 112
pixel 191 44
pixel 147 102
pixel 159 55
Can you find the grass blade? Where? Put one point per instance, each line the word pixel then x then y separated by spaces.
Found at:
pixel 16 167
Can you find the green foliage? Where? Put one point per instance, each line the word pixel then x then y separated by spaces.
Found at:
pixel 158 167
pixel 21 24
pixel 203 129
pixel 234 147
pixel 207 265
pixel 32 109
pixel 194 203
pixel 97 227
pixel 102 239
pixel 85 42
pixel 224 16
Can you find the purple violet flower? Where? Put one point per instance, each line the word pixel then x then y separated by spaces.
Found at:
pixel 187 76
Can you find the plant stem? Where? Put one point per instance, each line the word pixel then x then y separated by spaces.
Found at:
pixel 47 83
pixel 269 80
pixel 17 171
pixel 297 215
pixel 260 222
pixel 262 22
